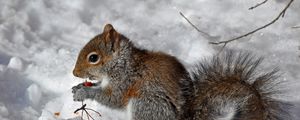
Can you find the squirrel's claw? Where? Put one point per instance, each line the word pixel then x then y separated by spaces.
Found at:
pixel 75 88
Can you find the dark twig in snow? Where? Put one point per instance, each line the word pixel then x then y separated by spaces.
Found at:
pixel 258 4
pixel 281 14
pixel 81 108
pixel 84 109
pixel 193 25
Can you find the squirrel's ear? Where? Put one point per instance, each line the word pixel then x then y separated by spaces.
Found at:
pixel 112 37
pixel 108 28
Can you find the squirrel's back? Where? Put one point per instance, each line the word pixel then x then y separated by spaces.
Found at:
pixel 230 87
pixel 165 73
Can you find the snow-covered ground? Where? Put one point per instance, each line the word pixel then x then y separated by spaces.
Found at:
pixel 40 40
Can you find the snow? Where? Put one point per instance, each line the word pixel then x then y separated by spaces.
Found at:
pixel 3 110
pixel 15 63
pixel 34 94
pixel 40 41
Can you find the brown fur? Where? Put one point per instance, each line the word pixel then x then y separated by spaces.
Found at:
pixel 132 92
pixel 108 91
pixel 167 68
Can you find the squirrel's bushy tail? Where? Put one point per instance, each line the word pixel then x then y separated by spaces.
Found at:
pixel 231 87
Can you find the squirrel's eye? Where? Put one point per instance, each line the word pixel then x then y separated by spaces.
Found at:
pixel 93 58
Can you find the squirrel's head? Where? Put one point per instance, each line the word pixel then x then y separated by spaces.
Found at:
pixel 98 52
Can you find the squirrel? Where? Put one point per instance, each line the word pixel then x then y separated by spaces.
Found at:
pixel 156 86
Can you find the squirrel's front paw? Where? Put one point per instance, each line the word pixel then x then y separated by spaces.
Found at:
pixel 77 87
pixel 79 93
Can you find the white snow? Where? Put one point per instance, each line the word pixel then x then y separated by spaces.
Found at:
pixel 34 94
pixel 3 110
pixel 40 41
pixel 15 63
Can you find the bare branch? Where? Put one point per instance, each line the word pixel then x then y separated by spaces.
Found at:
pixel 84 109
pixel 193 24
pixel 88 115
pixel 258 4
pixel 94 111
pixel 223 47
pixel 82 115
pixel 281 14
pixel 81 108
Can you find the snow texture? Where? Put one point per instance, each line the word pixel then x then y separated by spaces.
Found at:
pixel 40 40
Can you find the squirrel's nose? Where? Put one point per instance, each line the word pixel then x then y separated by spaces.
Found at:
pixel 76 72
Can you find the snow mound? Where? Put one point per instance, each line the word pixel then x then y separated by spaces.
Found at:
pixel 15 63
pixel 34 94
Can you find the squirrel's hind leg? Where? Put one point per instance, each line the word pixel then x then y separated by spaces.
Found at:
pixel 152 108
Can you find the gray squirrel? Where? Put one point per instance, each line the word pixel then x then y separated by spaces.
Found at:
pixel 156 86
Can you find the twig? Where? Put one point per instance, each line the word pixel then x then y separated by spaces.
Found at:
pixel 193 25
pixel 81 108
pixel 94 111
pixel 257 5
pixel 88 115
pixel 223 47
pixel 84 109
pixel 281 14
pixel 82 113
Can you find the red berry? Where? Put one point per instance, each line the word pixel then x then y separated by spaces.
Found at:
pixel 88 84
